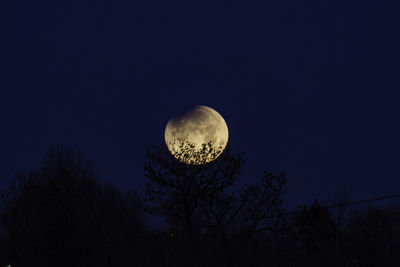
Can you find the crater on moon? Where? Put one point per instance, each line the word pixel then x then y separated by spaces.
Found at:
pixel 201 127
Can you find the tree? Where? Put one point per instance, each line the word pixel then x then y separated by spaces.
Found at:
pixel 61 216
pixel 175 189
pixel 316 228
pixel 373 236
pixel 316 234
pixel 184 192
pixel 252 209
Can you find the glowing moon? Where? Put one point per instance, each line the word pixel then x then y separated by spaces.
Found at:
pixel 199 126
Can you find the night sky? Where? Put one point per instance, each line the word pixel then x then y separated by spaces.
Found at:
pixel 309 88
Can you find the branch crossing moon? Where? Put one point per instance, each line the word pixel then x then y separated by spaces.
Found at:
pixel 197 136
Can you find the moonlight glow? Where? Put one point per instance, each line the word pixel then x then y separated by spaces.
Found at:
pixel 199 126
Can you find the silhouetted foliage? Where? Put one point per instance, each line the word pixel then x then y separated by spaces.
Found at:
pixel 175 189
pixel 188 153
pixel 188 193
pixel 61 216
pixel 316 228
pixel 373 236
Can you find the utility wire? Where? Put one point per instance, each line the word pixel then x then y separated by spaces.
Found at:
pixel 330 206
pixel 362 201
pixel 344 204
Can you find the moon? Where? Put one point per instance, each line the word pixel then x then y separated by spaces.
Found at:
pixel 197 136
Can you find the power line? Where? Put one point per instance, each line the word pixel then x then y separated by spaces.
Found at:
pixel 337 205
pixel 362 201
pixel 347 203
pixel 293 212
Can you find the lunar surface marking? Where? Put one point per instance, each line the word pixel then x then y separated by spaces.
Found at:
pixel 200 125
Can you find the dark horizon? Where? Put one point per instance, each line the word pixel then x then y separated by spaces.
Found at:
pixel 61 215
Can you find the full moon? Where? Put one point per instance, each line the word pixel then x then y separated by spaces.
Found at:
pixel 197 136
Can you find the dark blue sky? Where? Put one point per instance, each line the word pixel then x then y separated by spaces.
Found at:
pixel 310 88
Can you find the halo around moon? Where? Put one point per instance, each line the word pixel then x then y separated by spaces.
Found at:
pixel 197 136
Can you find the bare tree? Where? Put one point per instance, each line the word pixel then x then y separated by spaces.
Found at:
pixel 175 189
pixel 188 192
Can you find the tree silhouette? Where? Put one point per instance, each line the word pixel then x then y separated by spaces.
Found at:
pixel 61 216
pixel 190 154
pixel 189 193
pixel 253 209
pixel 316 228
pixel 373 236
pixel 175 189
